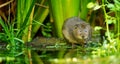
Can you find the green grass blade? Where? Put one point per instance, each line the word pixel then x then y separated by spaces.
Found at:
pixel 61 10
pixel 39 16
pixel 25 21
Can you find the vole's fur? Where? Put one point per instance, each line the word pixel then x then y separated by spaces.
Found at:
pixel 76 30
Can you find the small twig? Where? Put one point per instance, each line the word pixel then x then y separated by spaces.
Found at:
pixel 41 5
pixel 30 26
pixel 5 4
pixel 29 56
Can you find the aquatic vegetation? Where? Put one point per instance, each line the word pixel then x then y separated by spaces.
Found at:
pixel 19 35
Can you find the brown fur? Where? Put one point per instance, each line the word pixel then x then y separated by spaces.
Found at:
pixel 76 30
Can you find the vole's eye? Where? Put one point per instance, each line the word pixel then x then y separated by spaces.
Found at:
pixel 85 31
pixel 75 27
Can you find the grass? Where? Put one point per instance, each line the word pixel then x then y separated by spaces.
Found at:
pixel 14 33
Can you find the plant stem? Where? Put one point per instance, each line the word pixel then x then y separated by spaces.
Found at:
pixel 106 20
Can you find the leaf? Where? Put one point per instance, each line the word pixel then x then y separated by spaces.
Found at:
pixel 97 7
pixel 97 28
pixel 109 21
pixel 110 5
pixel 90 5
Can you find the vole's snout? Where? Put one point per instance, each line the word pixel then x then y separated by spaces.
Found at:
pixel 83 36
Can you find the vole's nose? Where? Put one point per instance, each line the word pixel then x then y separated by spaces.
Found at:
pixel 83 36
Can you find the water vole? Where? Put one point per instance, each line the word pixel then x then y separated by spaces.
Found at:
pixel 76 31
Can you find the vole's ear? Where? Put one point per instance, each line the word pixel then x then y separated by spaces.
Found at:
pixel 75 26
